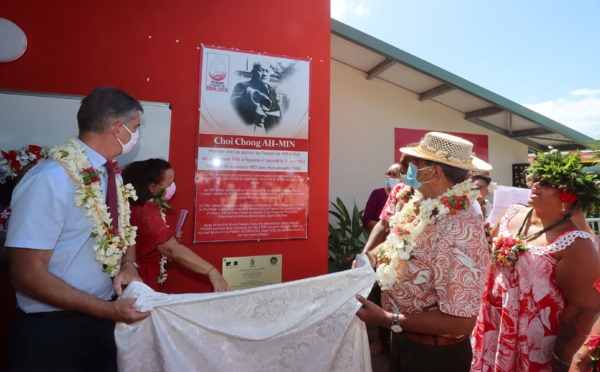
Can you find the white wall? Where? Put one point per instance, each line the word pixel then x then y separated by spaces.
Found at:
pixel 364 114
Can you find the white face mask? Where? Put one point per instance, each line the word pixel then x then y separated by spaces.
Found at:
pixel 129 145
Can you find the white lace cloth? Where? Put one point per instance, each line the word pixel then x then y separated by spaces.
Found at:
pixel 306 325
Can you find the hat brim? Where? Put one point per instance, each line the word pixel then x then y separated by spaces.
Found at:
pixel 475 164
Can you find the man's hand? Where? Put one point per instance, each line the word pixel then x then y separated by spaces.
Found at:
pixel 373 314
pixel 127 275
pixel 123 311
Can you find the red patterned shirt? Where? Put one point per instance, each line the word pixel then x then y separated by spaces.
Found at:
pixel 391 205
pixel 446 270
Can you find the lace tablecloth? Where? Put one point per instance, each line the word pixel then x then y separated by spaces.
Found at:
pixel 306 325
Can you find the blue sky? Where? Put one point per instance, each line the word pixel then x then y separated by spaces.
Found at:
pixel 543 54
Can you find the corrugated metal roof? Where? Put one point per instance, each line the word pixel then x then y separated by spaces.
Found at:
pixel 480 106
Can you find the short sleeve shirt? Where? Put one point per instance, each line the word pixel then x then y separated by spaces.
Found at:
pixel 44 217
pixel 446 270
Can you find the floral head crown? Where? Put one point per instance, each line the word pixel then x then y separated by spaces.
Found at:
pixel 13 161
pixel 565 173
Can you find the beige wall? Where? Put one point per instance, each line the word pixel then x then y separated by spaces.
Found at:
pixel 364 114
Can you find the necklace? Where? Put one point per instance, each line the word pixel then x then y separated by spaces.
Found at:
pixel 110 245
pixel 409 222
pixel 163 206
pixel 540 232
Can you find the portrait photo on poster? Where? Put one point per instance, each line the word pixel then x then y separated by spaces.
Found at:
pixel 253 94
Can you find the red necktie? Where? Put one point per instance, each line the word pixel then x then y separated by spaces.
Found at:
pixel 111 195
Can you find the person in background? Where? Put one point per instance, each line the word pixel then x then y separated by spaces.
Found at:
pixel 65 279
pixel 483 181
pixel 378 197
pixel 375 204
pixel 154 182
pixel 539 300
pixel 433 262
pixel 392 205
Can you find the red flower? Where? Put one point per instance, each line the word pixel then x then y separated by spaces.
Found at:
pixel 510 241
pixel 116 167
pixel 592 342
pixel 11 156
pixel 34 149
pixel 15 164
pixel 567 196
pixel 597 285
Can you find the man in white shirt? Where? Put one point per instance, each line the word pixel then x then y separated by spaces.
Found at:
pixel 66 309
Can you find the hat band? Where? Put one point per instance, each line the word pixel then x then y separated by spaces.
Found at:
pixel 421 150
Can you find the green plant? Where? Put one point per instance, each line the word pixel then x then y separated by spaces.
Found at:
pixel 348 238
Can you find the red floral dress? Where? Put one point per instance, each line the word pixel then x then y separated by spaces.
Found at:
pixel 522 304
pixel 152 231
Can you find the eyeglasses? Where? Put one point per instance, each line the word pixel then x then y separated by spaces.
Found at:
pixel 392 174
pixel 542 182
pixel 481 188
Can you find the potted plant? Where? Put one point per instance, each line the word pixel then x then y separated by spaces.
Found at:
pixel 347 236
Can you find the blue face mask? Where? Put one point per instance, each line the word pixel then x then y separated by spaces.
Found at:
pixel 411 176
pixel 391 182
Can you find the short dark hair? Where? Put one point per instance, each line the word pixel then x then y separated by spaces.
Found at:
pixel 482 176
pixel 452 174
pixel 141 174
pixel 105 105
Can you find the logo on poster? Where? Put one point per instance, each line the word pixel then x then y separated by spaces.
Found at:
pixel 218 80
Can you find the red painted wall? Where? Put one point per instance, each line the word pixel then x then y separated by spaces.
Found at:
pixel 74 46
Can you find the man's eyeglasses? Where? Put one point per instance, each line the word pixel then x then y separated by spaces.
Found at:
pixel 481 188
pixel 542 182
pixel 392 174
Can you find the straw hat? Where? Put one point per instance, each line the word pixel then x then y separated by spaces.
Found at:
pixel 447 149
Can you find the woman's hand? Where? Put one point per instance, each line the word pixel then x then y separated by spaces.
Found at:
pixel 218 282
pixel 581 360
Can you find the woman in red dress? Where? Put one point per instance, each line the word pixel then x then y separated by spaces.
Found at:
pixel 539 302
pixel 153 180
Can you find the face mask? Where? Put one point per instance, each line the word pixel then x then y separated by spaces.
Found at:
pixel 411 176
pixel 169 191
pixel 391 182
pixel 129 145
pixel 404 178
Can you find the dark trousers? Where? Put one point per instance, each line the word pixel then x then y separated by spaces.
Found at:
pixel 62 341
pixel 408 356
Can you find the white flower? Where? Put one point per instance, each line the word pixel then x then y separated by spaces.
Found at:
pixel 399 247
pixel 73 158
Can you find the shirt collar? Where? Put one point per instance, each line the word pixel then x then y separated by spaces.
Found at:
pixel 96 160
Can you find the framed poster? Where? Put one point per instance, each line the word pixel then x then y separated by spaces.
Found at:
pixel 252 165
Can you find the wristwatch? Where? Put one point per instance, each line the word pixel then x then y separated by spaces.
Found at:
pixel 135 264
pixel 396 324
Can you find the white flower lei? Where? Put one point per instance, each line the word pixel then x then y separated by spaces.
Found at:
pixel 108 248
pixel 407 224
